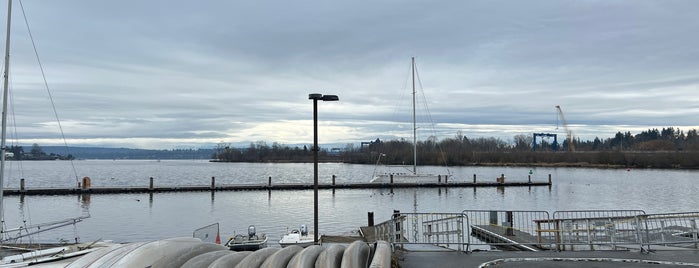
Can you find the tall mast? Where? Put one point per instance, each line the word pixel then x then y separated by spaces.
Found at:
pixel 414 122
pixel 3 147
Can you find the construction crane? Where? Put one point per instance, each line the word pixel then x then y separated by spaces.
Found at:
pixel 569 134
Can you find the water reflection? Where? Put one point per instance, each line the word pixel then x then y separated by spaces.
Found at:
pixel 121 218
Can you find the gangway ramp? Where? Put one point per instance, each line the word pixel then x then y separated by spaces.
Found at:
pixel 496 234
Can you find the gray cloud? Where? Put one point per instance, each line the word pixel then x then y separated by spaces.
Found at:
pixel 163 74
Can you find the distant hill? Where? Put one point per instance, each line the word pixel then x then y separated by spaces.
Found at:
pixel 126 153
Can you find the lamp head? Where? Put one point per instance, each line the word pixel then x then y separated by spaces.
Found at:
pixel 330 98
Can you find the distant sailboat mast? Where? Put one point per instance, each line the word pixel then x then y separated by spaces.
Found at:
pixel 414 122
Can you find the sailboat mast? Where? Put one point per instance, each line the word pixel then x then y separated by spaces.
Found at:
pixel 414 122
pixel 3 147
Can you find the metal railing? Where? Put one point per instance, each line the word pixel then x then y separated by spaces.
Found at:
pixel 509 229
pixel 671 229
pixel 536 230
pixel 424 231
pixel 592 229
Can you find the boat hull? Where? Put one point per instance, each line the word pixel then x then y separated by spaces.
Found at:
pixel 237 244
pixel 409 178
pixel 302 244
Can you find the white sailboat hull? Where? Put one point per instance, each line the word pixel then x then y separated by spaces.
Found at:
pixel 409 178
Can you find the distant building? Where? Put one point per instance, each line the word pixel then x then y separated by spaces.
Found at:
pixel 335 151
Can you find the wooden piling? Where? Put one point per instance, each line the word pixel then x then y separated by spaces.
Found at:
pixel 333 180
pixel 269 181
pixel 474 178
pixel 530 178
pixel 439 178
pixel 370 218
pixel 549 179
pixel 21 185
pixel 391 178
pixel 150 186
pixel 213 182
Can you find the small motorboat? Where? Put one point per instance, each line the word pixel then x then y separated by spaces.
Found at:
pixel 299 237
pixel 251 242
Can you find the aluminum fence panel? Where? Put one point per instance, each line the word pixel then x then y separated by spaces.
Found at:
pixel 672 229
pixel 423 231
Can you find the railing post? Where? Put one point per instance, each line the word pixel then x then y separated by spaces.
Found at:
pixel 510 223
pixel 398 229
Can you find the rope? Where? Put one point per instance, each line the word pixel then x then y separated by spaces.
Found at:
pixel 48 91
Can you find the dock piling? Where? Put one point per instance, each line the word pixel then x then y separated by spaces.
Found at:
pixel 86 184
pixel 21 185
pixel 530 179
pixel 391 178
pixel 333 180
pixel 150 186
pixel 269 181
pixel 549 179
pixel 213 182
pixel 370 218
pixel 474 178
pixel 439 178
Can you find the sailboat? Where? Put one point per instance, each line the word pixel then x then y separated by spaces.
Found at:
pixel 17 255
pixel 409 175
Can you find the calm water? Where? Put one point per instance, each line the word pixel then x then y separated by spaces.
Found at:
pixel 139 217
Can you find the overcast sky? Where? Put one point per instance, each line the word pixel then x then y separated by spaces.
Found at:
pixel 179 74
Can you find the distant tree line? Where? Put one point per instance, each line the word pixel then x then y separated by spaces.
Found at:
pixel 653 148
pixel 262 152
pixel 35 153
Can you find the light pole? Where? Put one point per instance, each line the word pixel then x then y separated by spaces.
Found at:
pixel 315 97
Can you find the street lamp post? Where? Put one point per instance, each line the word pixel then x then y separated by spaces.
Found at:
pixel 315 97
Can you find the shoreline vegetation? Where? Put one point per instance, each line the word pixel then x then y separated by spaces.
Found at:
pixel 668 148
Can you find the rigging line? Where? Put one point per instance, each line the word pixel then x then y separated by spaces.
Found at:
pixel 429 117
pixel 46 85
pixel 13 119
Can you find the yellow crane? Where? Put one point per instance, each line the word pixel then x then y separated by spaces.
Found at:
pixel 569 134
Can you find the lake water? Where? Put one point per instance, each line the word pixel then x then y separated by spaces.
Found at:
pixel 141 217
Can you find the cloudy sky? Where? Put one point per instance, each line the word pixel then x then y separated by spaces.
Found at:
pixel 177 74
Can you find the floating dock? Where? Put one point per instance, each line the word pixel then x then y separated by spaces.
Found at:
pixel 257 187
